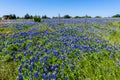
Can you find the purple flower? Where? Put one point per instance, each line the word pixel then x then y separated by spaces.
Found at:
pixel 45 50
pixel 20 77
pixel 36 74
pixel 19 57
pixel 44 76
pixel 55 53
pixel 19 68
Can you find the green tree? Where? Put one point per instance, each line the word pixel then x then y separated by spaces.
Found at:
pixel 98 17
pixel 87 16
pixel 12 16
pixel 27 16
pixel 77 17
pixel 66 16
pixel 17 17
pixel 44 17
pixel 37 18
pixel 115 16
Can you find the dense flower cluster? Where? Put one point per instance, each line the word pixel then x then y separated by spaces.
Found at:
pixel 55 55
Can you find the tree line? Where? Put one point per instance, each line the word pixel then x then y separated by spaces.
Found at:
pixel 38 18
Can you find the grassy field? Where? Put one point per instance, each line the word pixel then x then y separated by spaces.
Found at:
pixel 60 51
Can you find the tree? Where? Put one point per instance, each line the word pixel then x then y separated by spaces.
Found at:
pixel 67 16
pixel 98 17
pixel 37 18
pixel 31 17
pixel 87 16
pixel 115 16
pixel 44 17
pixel 27 16
pixel 12 16
pixel 18 17
pixel 77 17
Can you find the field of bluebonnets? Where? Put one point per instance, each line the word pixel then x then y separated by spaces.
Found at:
pixel 85 49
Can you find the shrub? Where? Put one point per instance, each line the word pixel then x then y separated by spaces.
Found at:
pixel 37 18
pixel 97 16
pixel 67 16
pixel 115 16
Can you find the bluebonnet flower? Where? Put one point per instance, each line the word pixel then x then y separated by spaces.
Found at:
pixel 19 57
pixel 36 74
pixel 20 77
pixel 38 69
pixel 43 76
pixel 19 68
pixel 45 50
pixel 53 76
pixel 55 53
pixel 31 75
pixel 119 63
pixel 65 78
pixel 31 66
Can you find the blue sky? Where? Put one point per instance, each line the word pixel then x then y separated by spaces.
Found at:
pixel 53 7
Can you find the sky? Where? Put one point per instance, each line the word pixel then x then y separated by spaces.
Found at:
pixel 52 8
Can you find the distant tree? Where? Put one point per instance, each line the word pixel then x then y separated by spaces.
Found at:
pixel 98 17
pixel 66 16
pixel 44 17
pixel 17 17
pixel 31 17
pixel 27 16
pixel 54 17
pixel 12 16
pixel 0 18
pixel 87 16
pixel 77 17
pixel 115 16
pixel 37 18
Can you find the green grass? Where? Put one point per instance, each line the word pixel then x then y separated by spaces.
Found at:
pixel 5 31
pixel 8 69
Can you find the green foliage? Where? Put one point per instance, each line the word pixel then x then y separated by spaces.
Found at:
pixel 115 16
pixel 0 18
pixel 86 16
pixel 5 31
pixel 12 16
pixel 66 16
pixel 18 17
pixel 77 17
pixel 98 17
pixel 8 69
pixel 27 16
pixel 61 23
pixel 45 17
pixel 37 18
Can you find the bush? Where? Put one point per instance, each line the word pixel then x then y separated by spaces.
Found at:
pixel 77 17
pixel 37 18
pixel 67 16
pixel 98 17
pixel 115 16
